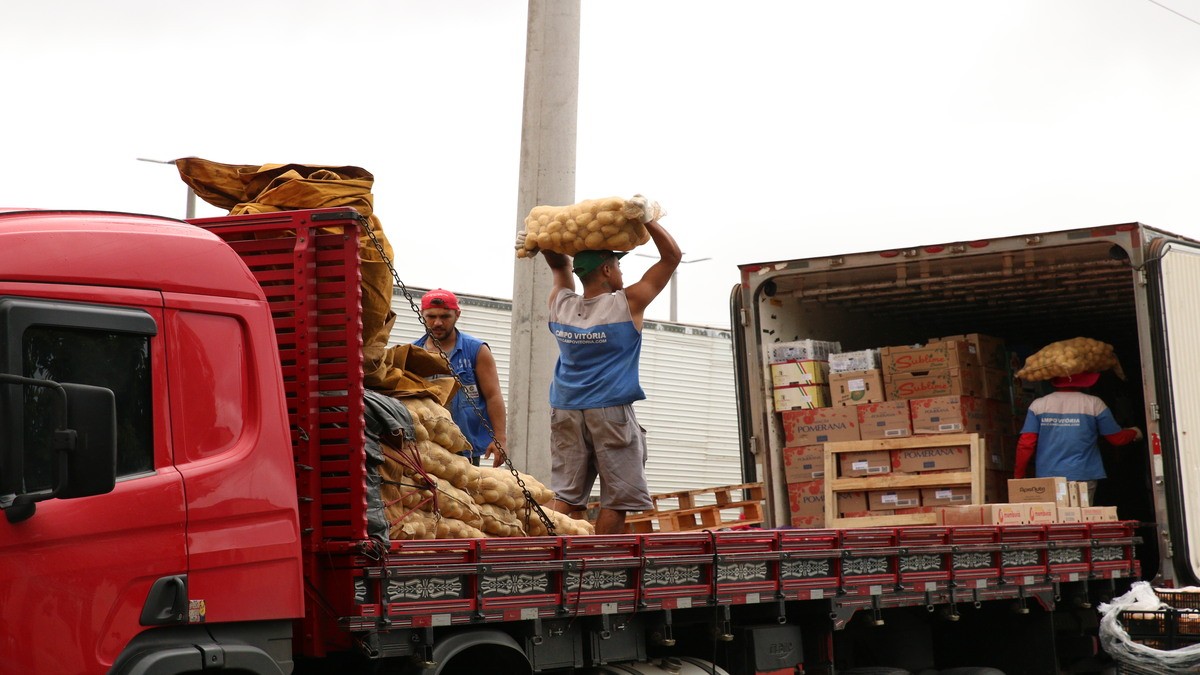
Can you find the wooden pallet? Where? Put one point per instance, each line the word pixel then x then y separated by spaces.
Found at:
pixel 688 510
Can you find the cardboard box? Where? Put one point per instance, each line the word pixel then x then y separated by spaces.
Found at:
pixel 997 385
pixel 1042 513
pixel 959 515
pixel 965 381
pixel 916 460
pixel 807 501
pixel 1078 492
pixel 889 419
pixel 1070 514
pixel 1025 490
pixel 883 500
pixel 865 359
pixel 923 359
pixel 804 463
pixel 866 463
pixel 821 425
pixel 799 372
pixel 946 496
pixel 989 350
pixel 995 486
pixel 801 397
pixel 852 502
pixel 854 387
pixel 1000 417
pixel 801 350
pixel 1098 514
pixel 999 451
pixel 1004 514
pixel 947 415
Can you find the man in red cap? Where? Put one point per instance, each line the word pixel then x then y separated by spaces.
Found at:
pixel 472 361
pixel 1062 429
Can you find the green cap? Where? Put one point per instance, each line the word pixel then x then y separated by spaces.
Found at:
pixel 585 262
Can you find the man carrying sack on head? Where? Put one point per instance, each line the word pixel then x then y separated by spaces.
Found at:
pixel 593 430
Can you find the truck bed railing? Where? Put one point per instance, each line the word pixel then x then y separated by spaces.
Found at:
pixel 445 582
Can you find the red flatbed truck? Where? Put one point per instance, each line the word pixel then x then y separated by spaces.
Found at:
pixel 199 503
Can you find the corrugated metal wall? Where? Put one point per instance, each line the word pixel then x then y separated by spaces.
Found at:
pixel 690 412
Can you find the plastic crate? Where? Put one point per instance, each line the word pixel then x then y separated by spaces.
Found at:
pixel 1179 598
pixel 1162 628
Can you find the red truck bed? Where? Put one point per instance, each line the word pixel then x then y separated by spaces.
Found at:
pixel 306 262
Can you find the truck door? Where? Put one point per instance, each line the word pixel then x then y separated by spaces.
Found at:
pixel 76 575
pixel 1174 273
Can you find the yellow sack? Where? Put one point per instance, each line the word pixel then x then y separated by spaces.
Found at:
pixel 613 224
pixel 1070 357
pixel 249 188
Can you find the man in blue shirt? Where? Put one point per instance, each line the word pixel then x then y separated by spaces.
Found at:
pixel 472 361
pixel 1062 429
pixel 593 430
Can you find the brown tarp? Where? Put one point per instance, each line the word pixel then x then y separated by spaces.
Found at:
pixel 247 188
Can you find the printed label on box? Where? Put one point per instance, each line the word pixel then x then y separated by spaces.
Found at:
pixel 820 425
pixel 799 372
pixel 934 356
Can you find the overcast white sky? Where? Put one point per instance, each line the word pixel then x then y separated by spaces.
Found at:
pixel 768 130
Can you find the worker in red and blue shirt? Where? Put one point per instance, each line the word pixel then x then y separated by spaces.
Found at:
pixel 1062 430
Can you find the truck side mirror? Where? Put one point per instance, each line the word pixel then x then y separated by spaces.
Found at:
pixel 92 467
pixel 83 446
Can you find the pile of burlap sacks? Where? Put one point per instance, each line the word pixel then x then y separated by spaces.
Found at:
pixel 425 488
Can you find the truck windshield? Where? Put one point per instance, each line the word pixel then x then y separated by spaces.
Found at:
pixel 117 361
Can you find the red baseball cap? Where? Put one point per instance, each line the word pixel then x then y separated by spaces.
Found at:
pixel 1076 381
pixel 439 297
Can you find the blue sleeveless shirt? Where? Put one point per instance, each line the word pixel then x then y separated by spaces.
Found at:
pixel 463 360
pixel 598 352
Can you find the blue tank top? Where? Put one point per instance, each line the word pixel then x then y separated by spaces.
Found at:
pixel 598 352
pixel 463 360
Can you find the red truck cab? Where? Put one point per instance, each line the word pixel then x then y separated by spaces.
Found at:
pixel 201 525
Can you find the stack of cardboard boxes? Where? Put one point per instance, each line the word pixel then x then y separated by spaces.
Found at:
pixel 959 384
pixel 1032 501
pixel 800 374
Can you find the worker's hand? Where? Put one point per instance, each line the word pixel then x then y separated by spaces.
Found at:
pixel 520 244
pixel 1137 434
pixel 495 453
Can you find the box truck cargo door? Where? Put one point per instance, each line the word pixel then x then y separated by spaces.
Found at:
pixel 1174 276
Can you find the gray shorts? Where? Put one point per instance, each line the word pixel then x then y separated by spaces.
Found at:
pixel 604 442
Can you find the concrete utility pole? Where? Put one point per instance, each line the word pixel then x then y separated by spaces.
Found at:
pixel 547 177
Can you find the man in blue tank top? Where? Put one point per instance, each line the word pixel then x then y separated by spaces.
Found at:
pixel 593 430
pixel 472 361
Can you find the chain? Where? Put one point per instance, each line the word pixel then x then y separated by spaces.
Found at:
pixel 530 503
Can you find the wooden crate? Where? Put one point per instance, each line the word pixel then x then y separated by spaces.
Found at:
pixel 688 510
pixel 834 484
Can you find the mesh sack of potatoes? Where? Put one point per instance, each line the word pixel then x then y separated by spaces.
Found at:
pixel 431 491
pixel 1070 357
pixel 595 224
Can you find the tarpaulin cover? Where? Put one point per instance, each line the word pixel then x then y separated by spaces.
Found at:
pixel 249 188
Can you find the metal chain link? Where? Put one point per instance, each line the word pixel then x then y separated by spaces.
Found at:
pixel 530 503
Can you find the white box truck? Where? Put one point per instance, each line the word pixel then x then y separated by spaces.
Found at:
pixel 1130 285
